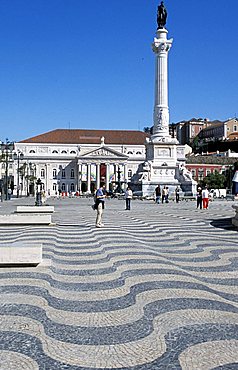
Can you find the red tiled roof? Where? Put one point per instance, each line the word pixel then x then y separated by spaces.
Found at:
pixel 84 136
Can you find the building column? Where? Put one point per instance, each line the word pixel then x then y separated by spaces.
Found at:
pixel 125 175
pixel 80 178
pixel 107 175
pixel 98 175
pixel 89 177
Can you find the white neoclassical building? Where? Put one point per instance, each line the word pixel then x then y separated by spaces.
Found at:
pixel 77 160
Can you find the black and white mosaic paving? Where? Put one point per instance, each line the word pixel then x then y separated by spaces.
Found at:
pixel 155 288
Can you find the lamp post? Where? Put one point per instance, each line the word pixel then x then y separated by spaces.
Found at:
pixel 38 201
pixel 17 157
pixel 32 177
pixel 119 188
pixel 6 151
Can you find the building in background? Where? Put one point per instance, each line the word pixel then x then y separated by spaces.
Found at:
pixel 75 160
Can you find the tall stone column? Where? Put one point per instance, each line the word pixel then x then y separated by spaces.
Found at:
pixel 98 175
pixel 107 175
pixel 161 47
pixel 80 178
pixel 89 177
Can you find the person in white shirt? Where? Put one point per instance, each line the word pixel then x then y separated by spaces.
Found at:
pixel 128 196
pixel 205 198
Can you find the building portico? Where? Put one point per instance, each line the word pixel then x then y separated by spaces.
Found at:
pixel 101 165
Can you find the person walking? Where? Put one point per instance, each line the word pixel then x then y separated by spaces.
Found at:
pixel 157 194
pixel 177 194
pixel 199 198
pixel 100 199
pixel 163 194
pixel 128 196
pixel 9 193
pixel 205 198
pixel 166 194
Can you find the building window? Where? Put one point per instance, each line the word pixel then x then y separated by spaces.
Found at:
pixel 129 153
pixel 63 186
pixel 73 152
pixel 32 151
pixel 139 153
pixel 208 172
pixel 193 172
pixel 72 173
pixel 235 128
pixel 55 152
pixel 72 186
pixel 42 173
pixel 54 173
pixel 129 173
pixel 200 174
pixel 54 186
pixel 63 174
pixel 63 152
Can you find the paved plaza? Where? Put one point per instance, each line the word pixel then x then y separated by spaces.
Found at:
pixel 155 288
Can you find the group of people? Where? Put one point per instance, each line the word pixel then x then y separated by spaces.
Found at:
pixel 99 205
pixel 202 198
pixel 162 196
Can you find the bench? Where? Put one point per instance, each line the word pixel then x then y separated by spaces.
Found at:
pixel 35 209
pixel 25 219
pixel 20 253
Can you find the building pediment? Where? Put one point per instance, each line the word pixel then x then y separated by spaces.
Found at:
pixel 103 152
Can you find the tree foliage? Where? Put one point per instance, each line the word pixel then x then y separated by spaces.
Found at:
pixel 215 180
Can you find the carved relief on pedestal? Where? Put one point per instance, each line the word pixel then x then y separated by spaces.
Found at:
pixel 161 121
pixel 159 46
pixel 165 152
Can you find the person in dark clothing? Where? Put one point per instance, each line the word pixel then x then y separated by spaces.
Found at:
pixel 157 194
pixel 199 198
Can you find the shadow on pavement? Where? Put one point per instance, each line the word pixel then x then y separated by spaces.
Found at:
pixel 223 223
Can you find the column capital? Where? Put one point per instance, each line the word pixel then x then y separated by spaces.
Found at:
pixel 161 44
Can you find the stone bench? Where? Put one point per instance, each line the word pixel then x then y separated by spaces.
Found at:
pixel 35 209
pixel 235 219
pixel 25 219
pixel 20 253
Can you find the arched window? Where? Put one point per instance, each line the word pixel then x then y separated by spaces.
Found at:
pixel 32 151
pixel 72 186
pixel 73 152
pixel 63 152
pixel 54 173
pixel 63 186
pixel 63 174
pixel 54 186
pixel 129 152
pixel 55 152
pixel 129 173
pixel 72 173
pixel 42 173
pixel 139 153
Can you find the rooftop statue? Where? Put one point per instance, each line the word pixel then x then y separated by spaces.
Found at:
pixel 161 15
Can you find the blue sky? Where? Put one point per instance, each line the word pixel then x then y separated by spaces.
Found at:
pixel 89 64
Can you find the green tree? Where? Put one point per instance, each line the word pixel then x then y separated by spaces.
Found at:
pixel 214 180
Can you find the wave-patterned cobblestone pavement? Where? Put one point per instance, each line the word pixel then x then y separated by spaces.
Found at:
pixel 156 288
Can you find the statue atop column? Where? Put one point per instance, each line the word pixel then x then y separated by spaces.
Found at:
pixel 161 15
